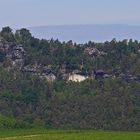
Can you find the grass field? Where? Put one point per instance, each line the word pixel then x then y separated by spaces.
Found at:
pixel 44 134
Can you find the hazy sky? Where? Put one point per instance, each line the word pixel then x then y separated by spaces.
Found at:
pixel 27 13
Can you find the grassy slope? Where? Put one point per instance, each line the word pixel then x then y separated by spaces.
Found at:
pixel 43 134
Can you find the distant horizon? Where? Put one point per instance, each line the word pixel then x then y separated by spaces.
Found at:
pixel 87 24
pixel 87 32
pixel 28 27
pixel 30 13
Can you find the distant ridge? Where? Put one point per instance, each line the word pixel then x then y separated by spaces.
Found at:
pixel 84 33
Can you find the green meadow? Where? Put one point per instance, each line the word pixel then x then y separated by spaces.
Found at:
pixel 44 134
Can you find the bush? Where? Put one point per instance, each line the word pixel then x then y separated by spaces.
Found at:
pixel 7 122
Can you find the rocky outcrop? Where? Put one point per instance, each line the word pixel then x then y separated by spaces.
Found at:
pixel 15 53
pixel 129 78
pixel 48 74
pixel 31 68
pixel 77 76
pixel 15 56
pixel 94 52
pixel 49 77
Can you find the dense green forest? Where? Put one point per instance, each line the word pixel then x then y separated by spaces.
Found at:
pixel 35 88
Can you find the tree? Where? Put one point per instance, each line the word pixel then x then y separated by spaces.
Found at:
pixel 6 30
pixel 2 56
pixel 7 34
pixel 23 36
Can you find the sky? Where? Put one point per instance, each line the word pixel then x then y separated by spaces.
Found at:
pixel 28 13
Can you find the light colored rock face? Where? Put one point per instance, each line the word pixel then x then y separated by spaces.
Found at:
pixel 76 78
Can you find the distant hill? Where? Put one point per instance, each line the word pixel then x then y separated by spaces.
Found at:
pixel 84 33
pixel 93 86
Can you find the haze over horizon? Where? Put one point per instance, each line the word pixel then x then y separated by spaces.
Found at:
pixel 84 33
pixel 28 13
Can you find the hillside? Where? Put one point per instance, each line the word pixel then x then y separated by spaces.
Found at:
pixel 67 85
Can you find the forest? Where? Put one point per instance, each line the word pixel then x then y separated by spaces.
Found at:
pixel 35 88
